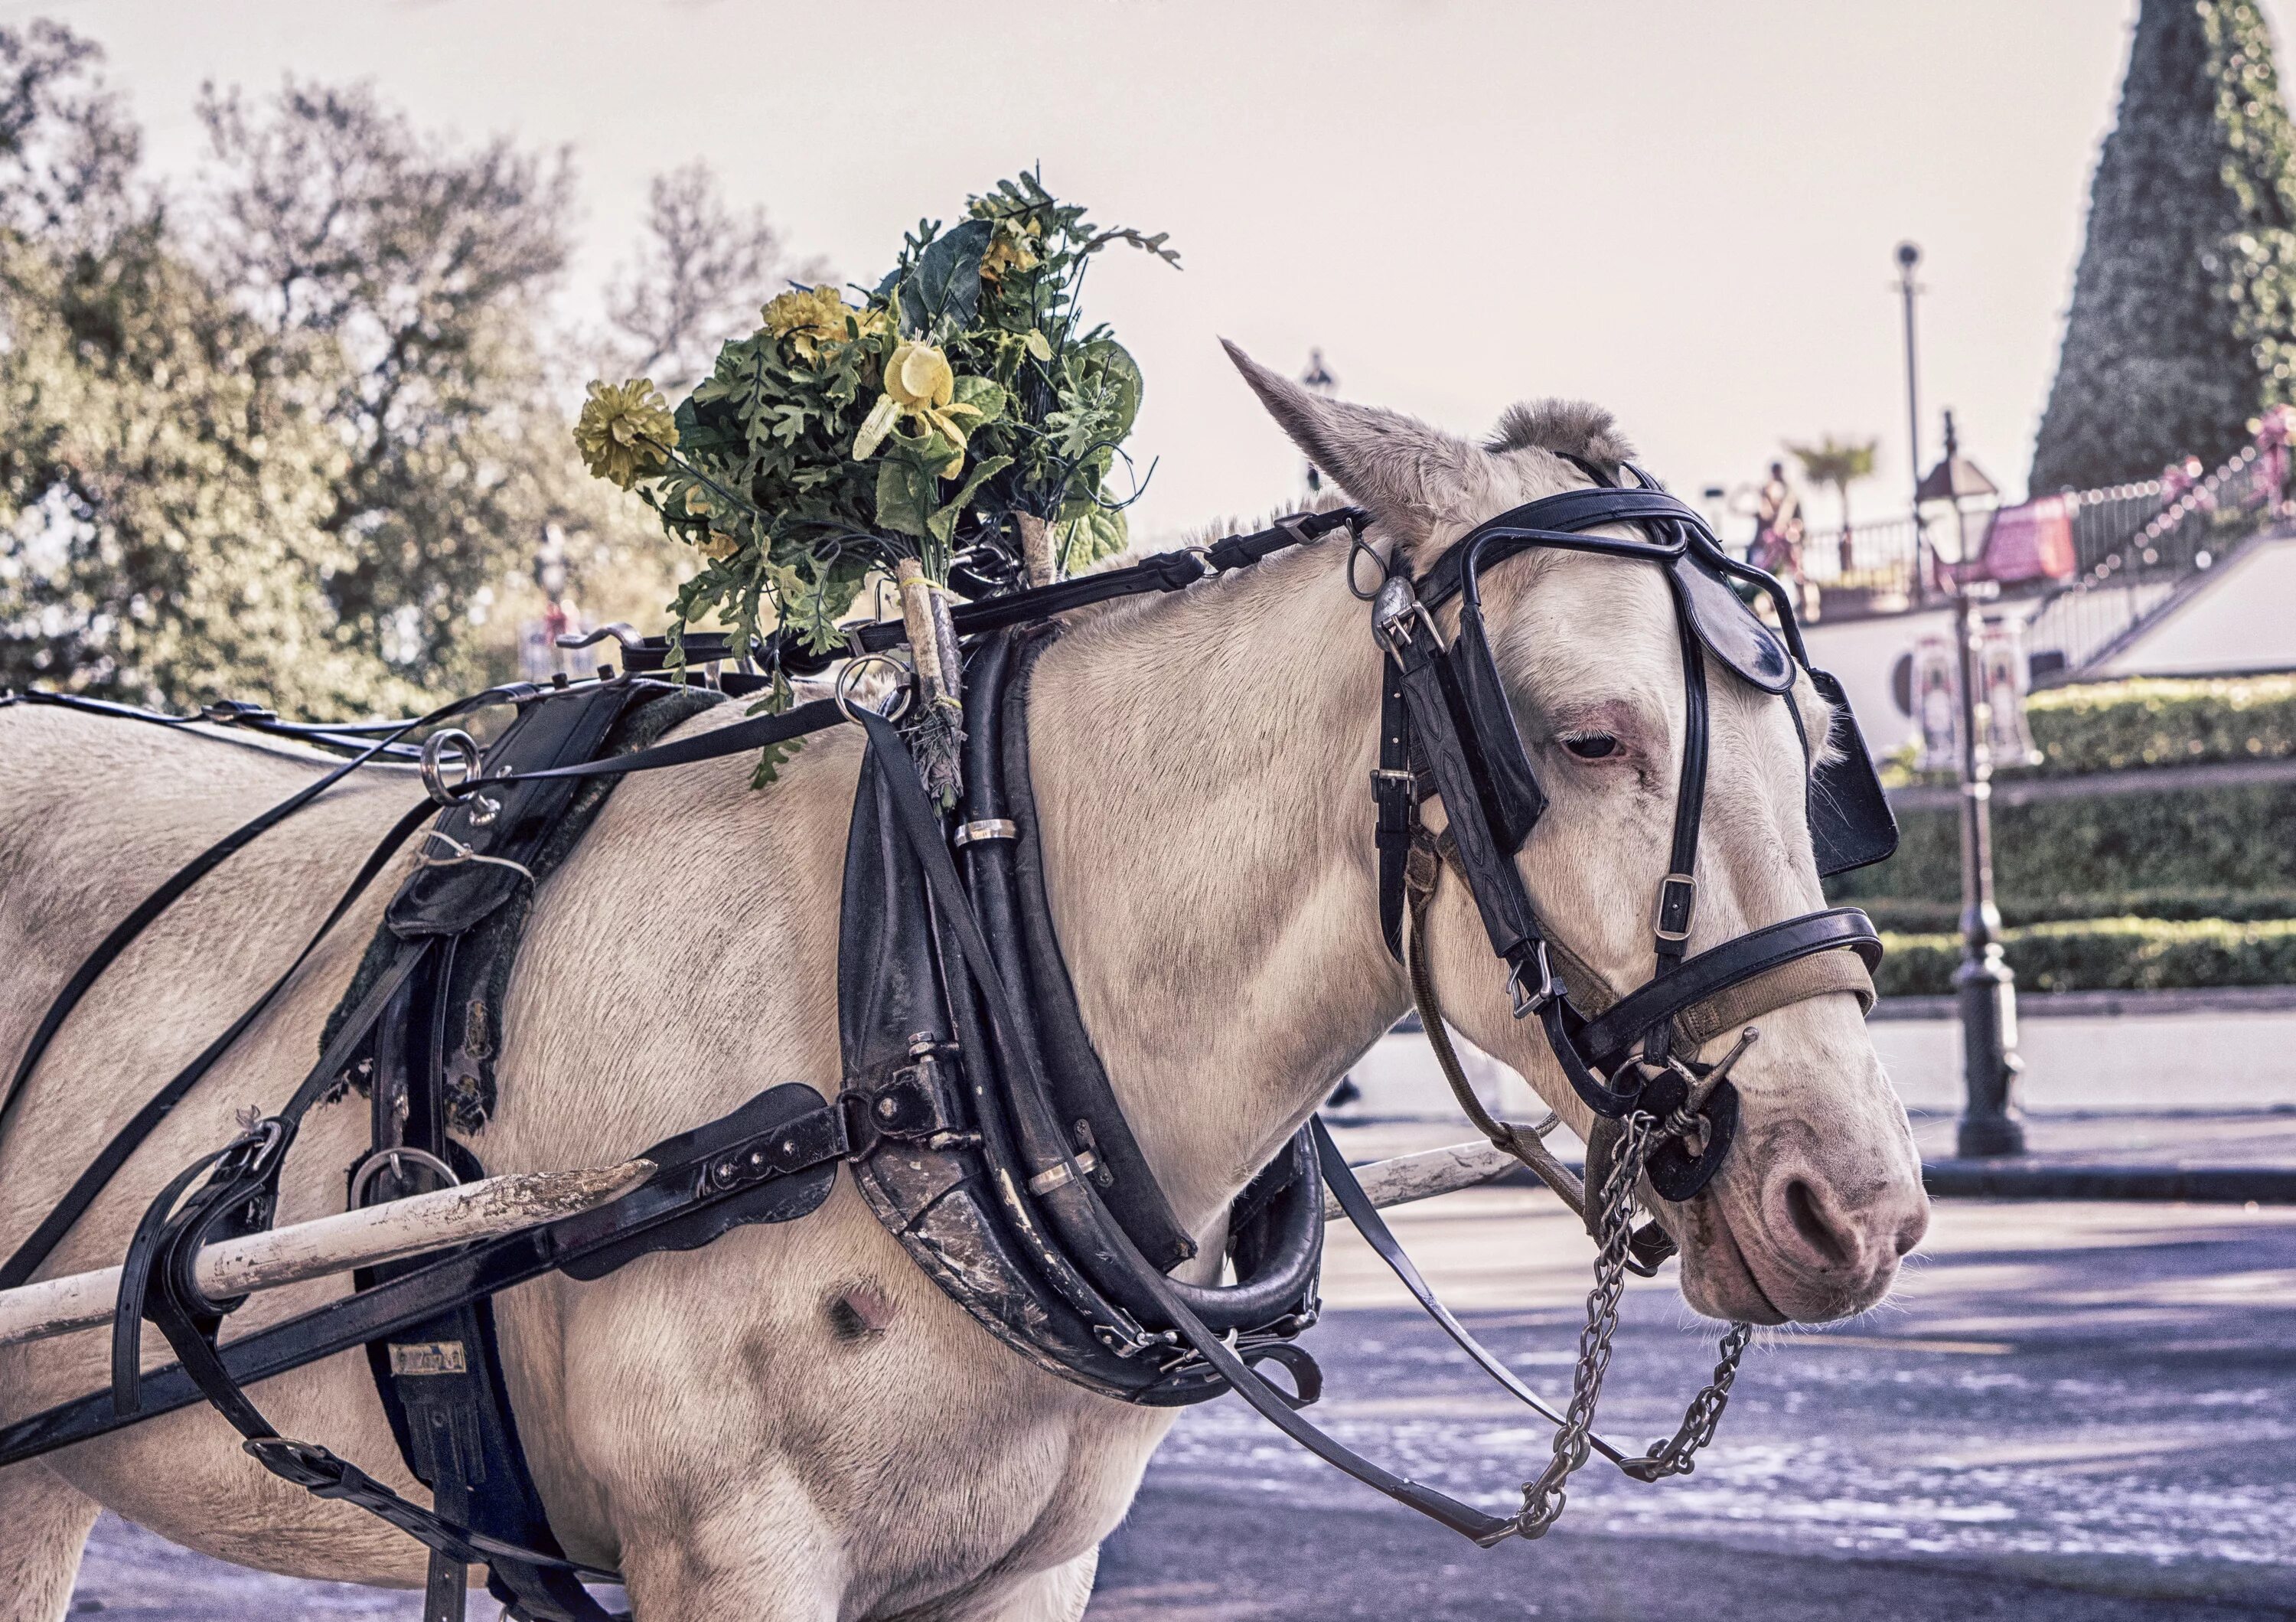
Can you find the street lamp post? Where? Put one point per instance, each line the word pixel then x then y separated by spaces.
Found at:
pixel 1317 378
pixel 1984 985
pixel 1909 255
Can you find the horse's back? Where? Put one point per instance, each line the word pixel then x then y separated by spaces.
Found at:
pixel 95 815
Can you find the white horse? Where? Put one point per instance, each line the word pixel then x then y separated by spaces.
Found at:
pixel 793 1424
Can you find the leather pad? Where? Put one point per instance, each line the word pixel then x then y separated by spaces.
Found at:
pixel 1729 629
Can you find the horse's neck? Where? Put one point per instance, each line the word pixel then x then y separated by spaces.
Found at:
pixel 1201 767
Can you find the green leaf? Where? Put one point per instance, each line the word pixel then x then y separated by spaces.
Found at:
pixel 1038 345
pixel 983 395
pixel 1094 534
pixel 941 295
pixel 905 494
pixel 1110 378
pixel 944 522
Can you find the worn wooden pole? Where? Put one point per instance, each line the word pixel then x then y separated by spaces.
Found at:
pixel 365 1238
pixel 496 1206
pixel 1429 1172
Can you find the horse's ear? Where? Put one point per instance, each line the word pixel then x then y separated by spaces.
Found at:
pixel 1409 474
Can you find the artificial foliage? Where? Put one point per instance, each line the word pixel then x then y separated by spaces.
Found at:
pixel 2183 324
pixel 932 415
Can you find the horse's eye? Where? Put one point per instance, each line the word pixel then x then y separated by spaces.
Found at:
pixel 1594 746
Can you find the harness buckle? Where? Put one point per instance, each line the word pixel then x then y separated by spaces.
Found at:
pixel 1527 1002
pixel 1394 610
pixel 1677 894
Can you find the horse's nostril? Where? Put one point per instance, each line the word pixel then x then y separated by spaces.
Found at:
pixel 1816 1229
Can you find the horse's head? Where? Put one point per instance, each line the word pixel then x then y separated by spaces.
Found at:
pixel 1821 1193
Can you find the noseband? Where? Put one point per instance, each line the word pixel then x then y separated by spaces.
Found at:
pixel 1446 730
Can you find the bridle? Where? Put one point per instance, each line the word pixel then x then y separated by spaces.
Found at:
pixel 1447 731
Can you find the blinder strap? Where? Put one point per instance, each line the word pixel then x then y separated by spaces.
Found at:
pixel 1433 706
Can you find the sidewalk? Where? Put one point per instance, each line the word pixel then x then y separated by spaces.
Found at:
pixel 2085 1053
pixel 2123 1097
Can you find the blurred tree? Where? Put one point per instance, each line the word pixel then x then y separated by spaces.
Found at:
pixel 1841 463
pixel 702 273
pixel 402 285
pixel 2183 324
pixel 293 434
pixel 160 506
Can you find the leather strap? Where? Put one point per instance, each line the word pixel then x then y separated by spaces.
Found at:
pixel 26 1261
pixel 1650 1245
pixel 108 950
pixel 771 1161
pixel 1395 791
pixel 1340 1179
pixel 1734 965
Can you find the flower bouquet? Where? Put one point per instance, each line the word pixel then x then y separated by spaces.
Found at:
pixel 956 426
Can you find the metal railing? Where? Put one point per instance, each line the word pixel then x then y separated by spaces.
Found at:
pixel 2128 580
pixel 2137 548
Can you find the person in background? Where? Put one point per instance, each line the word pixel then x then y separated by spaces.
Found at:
pixel 1778 537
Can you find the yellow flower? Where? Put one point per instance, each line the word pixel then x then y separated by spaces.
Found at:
pixel 626 432
pixel 811 317
pixel 920 385
pixel 1007 253
pixel 919 377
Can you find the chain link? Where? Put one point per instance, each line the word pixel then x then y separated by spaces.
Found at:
pixel 1543 1499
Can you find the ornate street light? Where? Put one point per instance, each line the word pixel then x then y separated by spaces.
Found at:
pixel 1957 492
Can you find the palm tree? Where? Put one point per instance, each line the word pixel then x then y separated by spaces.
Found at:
pixel 1839 462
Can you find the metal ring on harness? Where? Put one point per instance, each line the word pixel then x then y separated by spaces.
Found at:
pixel 434 777
pixel 849 675
pixel 375 1161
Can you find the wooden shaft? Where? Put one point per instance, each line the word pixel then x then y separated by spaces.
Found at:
pixel 496 1206
pixel 1429 1172
pixel 365 1238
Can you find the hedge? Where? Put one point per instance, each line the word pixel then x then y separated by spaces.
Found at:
pixel 2115 726
pixel 1920 915
pixel 2105 955
pixel 2235 837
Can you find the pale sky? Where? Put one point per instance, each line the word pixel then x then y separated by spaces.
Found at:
pixel 1684 211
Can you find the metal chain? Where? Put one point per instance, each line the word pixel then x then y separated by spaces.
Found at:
pixel 1673 1455
pixel 1614 1213
pixel 1543 1499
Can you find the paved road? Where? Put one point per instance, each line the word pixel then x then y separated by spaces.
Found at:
pixel 2132 1064
pixel 2071 1411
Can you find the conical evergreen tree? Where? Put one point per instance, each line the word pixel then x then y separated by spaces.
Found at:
pixel 2184 313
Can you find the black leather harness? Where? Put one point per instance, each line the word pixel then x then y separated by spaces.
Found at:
pixel 1447 731
pixel 979 1124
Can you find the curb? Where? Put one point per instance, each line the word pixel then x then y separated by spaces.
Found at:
pixel 2031 1177
pixel 2105 1004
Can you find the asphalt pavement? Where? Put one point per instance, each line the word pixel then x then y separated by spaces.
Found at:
pixel 2068 1411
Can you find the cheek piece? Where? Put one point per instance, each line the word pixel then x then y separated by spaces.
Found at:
pixel 1447 733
